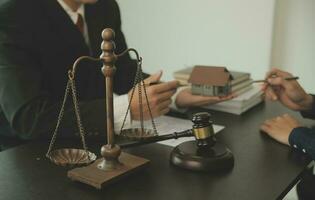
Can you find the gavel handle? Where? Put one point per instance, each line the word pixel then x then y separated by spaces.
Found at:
pixel 176 135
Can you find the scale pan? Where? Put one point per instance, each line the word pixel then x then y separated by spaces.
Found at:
pixel 71 157
pixel 137 133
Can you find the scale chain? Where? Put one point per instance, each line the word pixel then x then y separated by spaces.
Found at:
pixel 140 103
pixel 60 116
pixel 70 86
pixel 77 112
pixel 139 80
pixel 149 107
pixel 135 82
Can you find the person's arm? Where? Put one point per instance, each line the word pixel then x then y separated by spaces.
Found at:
pixel 287 130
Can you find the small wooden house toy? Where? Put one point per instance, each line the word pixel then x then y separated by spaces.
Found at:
pixel 210 81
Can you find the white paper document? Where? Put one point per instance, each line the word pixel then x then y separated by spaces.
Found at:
pixel 166 125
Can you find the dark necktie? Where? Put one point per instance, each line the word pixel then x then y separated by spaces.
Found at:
pixel 80 24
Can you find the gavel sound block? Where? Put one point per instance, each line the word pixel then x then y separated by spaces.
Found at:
pixel 205 153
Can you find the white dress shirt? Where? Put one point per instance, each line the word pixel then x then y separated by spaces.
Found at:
pixel 120 102
pixel 74 18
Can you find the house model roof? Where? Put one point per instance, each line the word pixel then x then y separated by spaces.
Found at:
pixel 209 75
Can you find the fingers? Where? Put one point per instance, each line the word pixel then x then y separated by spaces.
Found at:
pixel 278 73
pixel 156 110
pixel 154 105
pixel 279 121
pixel 278 81
pixel 265 128
pixel 214 99
pixel 272 72
pixel 186 99
pixel 161 109
pixel 279 128
pixel 291 120
pixel 165 104
pixel 163 87
pixel 264 86
pixel 270 94
pixel 205 100
pixel 228 97
pixel 165 96
pixel 287 116
pixel 276 77
pixel 164 111
pixel 155 78
pixel 268 126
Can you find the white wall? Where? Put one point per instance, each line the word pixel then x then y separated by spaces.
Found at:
pixel 172 34
pixel 294 40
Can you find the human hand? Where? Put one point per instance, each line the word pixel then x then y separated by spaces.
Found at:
pixel 186 99
pixel 280 128
pixel 159 97
pixel 288 92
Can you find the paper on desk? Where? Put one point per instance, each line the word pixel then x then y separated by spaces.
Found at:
pixel 166 125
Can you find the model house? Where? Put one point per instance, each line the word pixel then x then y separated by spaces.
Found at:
pixel 210 81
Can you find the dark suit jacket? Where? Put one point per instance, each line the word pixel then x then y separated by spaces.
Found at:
pixel 303 138
pixel 38 44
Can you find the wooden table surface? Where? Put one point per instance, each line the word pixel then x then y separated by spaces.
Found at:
pixel 264 169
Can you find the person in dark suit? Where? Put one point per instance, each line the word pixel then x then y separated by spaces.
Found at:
pixel 38 44
pixel 286 129
pixel 40 40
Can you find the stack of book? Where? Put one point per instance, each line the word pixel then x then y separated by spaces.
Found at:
pixel 247 94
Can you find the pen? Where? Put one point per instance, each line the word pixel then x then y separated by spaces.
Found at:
pixel 287 79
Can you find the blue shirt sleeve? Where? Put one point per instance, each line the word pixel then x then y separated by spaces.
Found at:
pixel 303 139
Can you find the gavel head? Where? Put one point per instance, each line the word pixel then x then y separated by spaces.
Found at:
pixel 203 129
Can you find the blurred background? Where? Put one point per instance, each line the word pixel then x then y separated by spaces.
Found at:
pixel 244 35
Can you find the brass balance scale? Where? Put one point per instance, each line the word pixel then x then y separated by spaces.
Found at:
pixel 204 154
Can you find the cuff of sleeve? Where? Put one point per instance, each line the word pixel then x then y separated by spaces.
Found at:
pixel 173 104
pixel 293 136
pixel 120 108
pixel 297 137
pixel 310 113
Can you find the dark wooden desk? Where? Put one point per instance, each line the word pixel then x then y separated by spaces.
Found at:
pixel 263 169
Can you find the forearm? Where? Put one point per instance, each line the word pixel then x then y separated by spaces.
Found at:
pixel 303 139
pixel 38 119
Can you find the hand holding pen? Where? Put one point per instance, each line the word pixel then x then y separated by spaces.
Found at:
pixel 282 86
pixel 159 96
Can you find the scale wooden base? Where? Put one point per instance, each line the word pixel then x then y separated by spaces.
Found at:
pixel 98 178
